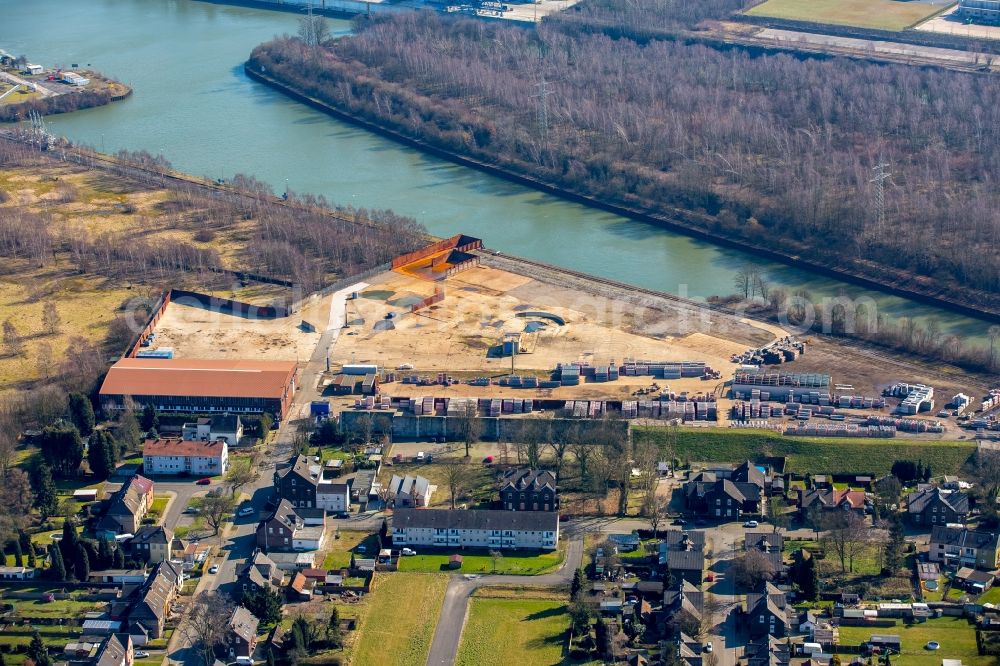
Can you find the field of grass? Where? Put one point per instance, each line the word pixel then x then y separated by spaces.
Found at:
pixel 816 454
pixel 399 623
pixel 879 14
pixel 501 631
pixel 31 608
pixel 992 596
pixel 476 561
pixel 956 636
pixel 338 553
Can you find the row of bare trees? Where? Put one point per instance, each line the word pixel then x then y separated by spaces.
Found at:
pixel 774 150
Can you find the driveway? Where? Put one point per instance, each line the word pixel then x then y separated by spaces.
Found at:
pixel 448 633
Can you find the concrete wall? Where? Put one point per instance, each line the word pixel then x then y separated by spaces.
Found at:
pixel 408 426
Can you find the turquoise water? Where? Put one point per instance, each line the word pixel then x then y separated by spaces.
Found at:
pixel 193 104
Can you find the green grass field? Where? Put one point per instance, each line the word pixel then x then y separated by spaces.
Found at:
pixel 816 454
pixel 338 553
pixel 400 621
pixel 502 631
pixel 892 15
pixel 526 564
pixel 956 636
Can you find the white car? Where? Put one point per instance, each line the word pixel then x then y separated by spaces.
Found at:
pixel 751 523
pixel 408 551
pixel 141 654
pixel 247 511
pixel 213 569
pixel 708 647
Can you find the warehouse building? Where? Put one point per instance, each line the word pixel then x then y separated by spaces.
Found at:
pixel 201 386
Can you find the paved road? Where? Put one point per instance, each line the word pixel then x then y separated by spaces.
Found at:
pixel 448 633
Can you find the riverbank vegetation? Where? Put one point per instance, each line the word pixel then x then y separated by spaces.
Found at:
pixel 99 91
pixel 772 151
pixel 89 244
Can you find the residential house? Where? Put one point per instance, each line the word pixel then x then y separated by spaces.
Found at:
pixel 410 491
pixel 127 507
pixel 290 529
pixel 683 553
pixel 476 529
pixel 333 497
pixel 151 543
pixel 260 572
pixel 684 604
pixel 767 651
pixel 115 650
pixel 17 573
pixel 529 490
pixel 973 580
pixel 300 588
pixel 962 547
pixel 767 613
pixel 240 639
pixel 771 544
pixel 688 649
pixel 363 488
pixel 937 506
pixel 171 455
pixel 227 428
pixel 724 499
pixel 147 605
pixel 626 543
pixel 830 499
pixel 296 481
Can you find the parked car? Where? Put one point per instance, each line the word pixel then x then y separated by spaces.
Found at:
pixel 751 523
pixel 204 482
pixel 247 511
pixel 708 647
pixel 408 551
pixel 361 548
pixel 191 509
pixel 679 521
pixel 213 569
pixel 141 654
pixel 420 456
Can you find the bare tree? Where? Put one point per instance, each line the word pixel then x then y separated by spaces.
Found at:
pixel 44 359
pixel 655 509
pixel 216 508
pixel 457 478
pixel 12 339
pixel 51 321
pixel 751 569
pixel 16 499
pixel 496 557
pixel 847 535
pixel 206 623
pixel 470 428
pixel 241 472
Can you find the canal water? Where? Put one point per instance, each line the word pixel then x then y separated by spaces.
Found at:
pixel 194 104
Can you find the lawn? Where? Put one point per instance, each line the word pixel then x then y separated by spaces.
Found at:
pixel 479 481
pixel 992 596
pixel 399 624
pixel 956 636
pixel 501 631
pixel 811 454
pixel 526 563
pixel 338 555
pixel 31 608
pixel 879 14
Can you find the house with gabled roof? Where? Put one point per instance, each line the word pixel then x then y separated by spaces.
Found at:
pixel 240 639
pixel 962 547
pixel 115 650
pixel 288 528
pixel 831 499
pixel 683 553
pixel 771 544
pixel 937 506
pixel 409 492
pixel 768 612
pixel 147 605
pixel 720 498
pixel 683 598
pixel 151 543
pixel 529 490
pixel 127 507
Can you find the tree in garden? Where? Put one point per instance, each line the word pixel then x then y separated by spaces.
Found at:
pixel 102 454
pixel 62 447
pixel 334 635
pixel 206 623
pixel 129 434
pixel 150 419
pixel 69 542
pixel 46 500
pixel 118 557
pixel 81 564
pixel 893 553
pixel 105 555
pixel 37 651
pixel 751 569
pixel 216 509
pixel 81 413
pixel 577 585
pixel 264 603
pixel 383 533
pixel 580 615
pixel 57 568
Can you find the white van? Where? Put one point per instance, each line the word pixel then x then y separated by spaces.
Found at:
pixel 244 661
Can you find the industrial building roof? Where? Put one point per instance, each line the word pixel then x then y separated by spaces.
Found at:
pixel 203 378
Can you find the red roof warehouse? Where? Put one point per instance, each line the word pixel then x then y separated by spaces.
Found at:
pixel 192 385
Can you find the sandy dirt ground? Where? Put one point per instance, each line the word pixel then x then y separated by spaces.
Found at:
pixel 481 304
pixel 950 24
pixel 195 332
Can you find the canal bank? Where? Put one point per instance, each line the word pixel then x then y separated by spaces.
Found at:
pixel 674 224
pixel 194 104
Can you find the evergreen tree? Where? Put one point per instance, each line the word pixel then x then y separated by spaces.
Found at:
pixel 150 419
pixel 894 546
pixel 32 562
pixel 264 603
pixel 102 454
pixel 57 569
pixel 45 490
pixel 927 472
pixel 118 558
pixel 70 541
pixel 354 563
pixel 18 553
pixel 577 584
pixel 334 635
pixel 383 533
pixel 62 447
pixel 37 652
pixel 129 435
pixel 81 564
pixel 105 556
pixel 81 413
pixel 270 657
